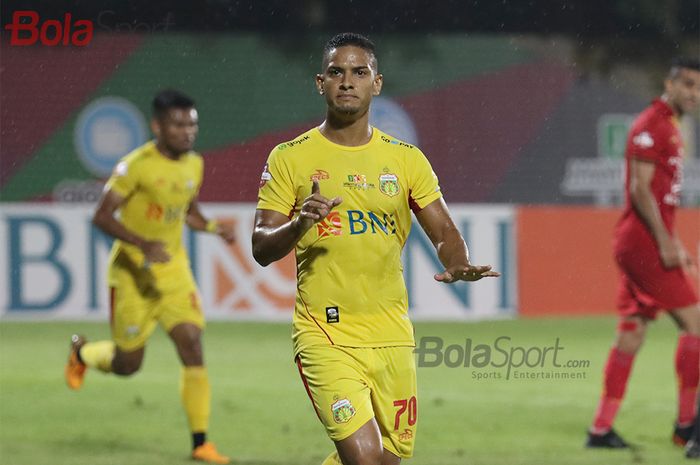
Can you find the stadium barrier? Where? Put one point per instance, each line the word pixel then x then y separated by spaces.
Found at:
pixel 565 263
pixel 556 261
pixel 54 267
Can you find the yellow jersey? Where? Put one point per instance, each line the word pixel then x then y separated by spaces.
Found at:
pixel 350 289
pixel 158 192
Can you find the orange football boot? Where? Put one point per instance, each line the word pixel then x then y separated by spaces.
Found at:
pixel 75 369
pixel 207 453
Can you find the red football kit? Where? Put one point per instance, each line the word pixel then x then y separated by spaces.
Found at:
pixel 647 286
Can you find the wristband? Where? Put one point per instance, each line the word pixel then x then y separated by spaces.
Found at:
pixel 212 226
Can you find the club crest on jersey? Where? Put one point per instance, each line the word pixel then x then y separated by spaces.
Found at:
pixel 319 175
pixel 265 176
pixel 343 411
pixel 389 184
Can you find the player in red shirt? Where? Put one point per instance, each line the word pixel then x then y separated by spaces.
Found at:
pixel 656 268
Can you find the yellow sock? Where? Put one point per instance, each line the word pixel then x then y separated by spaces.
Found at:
pixel 98 355
pixel 332 459
pixel 196 397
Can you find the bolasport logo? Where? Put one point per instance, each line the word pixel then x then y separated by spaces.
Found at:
pixel 27 28
pixel 503 359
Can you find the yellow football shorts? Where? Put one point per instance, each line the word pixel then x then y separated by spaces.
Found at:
pixel 349 386
pixel 137 303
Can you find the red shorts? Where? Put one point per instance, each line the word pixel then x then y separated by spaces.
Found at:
pixel 646 286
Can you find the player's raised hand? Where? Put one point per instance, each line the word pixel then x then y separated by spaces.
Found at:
pixel 466 273
pixel 154 252
pixel 316 207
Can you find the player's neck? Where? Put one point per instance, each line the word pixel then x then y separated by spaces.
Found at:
pixel 344 132
pixel 166 152
pixel 677 112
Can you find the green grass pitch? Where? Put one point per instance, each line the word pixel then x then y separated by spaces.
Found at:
pixel 261 414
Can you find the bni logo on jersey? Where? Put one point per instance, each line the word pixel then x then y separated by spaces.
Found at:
pixel 106 130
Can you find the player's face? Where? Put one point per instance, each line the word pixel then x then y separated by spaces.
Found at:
pixel 177 130
pixel 349 81
pixel 683 91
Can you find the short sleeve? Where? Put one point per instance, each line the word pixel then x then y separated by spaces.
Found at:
pixel 124 178
pixel 199 167
pixel 645 144
pixel 276 185
pixel 423 183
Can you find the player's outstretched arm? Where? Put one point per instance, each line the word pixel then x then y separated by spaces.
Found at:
pixel 437 223
pixel 275 235
pixel 196 220
pixel 104 219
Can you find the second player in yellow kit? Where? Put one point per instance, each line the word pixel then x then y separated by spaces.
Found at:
pixel 160 191
pixel 146 203
pixel 341 196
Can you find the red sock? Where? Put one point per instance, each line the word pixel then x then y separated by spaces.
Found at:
pixel 617 372
pixel 688 373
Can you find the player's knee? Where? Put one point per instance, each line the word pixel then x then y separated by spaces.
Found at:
pixel 688 320
pixel 371 455
pixel 368 456
pixel 630 335
pixel 191 354
pixel 631 344
pixel 374 457
pixel 193 346
pixel 126 366
pixel 126 369
pixel 189 344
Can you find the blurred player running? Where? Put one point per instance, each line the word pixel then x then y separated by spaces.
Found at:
pixel 154 189
pixel 656 268
pixel 341 195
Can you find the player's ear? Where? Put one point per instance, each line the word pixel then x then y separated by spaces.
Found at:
pixel 377 84
pixel 155 127
pixel 319 83
pixel 668 85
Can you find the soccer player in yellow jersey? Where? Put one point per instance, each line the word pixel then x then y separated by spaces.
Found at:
pixel 154 189
pixel 341 196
